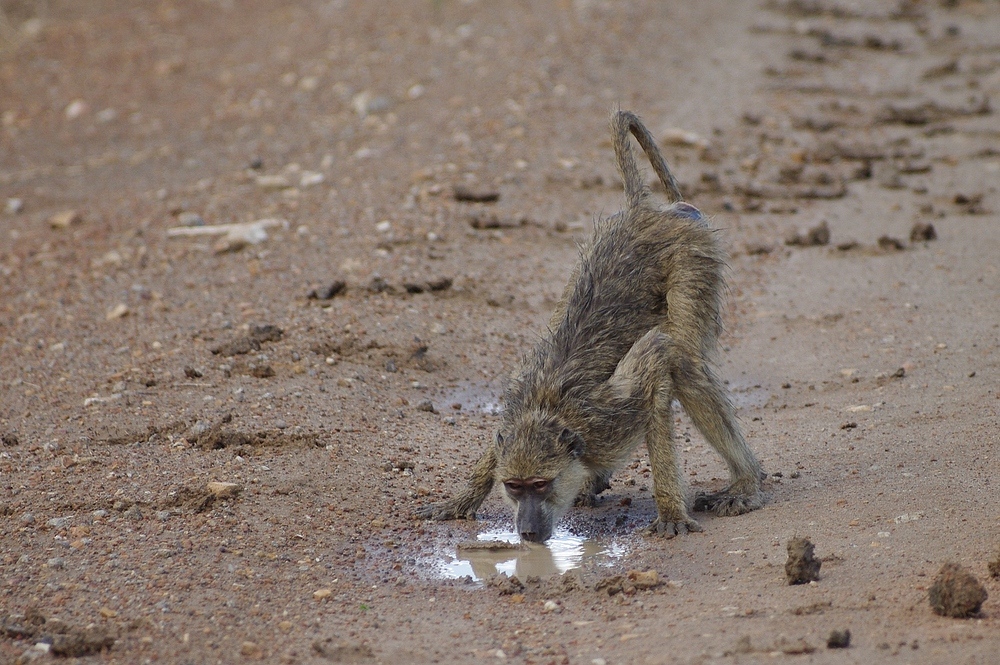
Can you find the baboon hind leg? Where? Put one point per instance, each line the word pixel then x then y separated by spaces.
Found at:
pixel 707 403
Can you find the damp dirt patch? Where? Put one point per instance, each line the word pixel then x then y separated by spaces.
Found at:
pixel 63 639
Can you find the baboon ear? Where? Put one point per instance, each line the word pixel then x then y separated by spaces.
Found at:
pixel 573 442
pixel 499 438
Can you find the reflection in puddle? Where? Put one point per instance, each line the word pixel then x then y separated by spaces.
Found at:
pixel 564 551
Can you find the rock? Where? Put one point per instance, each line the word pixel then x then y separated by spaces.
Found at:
pixel 14 206
pixel 469 195
pixel 923 232
pixel 888 243
pixel 192 373
pixel 77 642
pixel 801 567
pixel 644 579
pixel 223 490
pixel 994 566
pixel 133 513
pixel 956 592
pixel 65 219
pixel 251 650
pixel 507 586
pixel 60 522
pixel 9 439
pixel 839 639
pixel 117 312
pixel 427 406
pixel 322 594
pixel 56 562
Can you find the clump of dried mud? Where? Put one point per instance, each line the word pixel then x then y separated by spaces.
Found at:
pixel 956 592
pixel 801 567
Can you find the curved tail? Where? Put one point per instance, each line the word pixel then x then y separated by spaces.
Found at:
pixel 623 122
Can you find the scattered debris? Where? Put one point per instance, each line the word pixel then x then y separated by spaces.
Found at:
pixel 251 342
pixel 839 639
pixel 814 237
pixel 971 204
pixel 343 652
pixel 431 285
pixel 426 405
pixel 925 112
pixel 235 236
pixel 628 584
pixel 923 232
pixel 334 289
pixel 758 248
pixel 956 592
pixel 192 373
pixel 489 220
pixel 468 195
pixel 682 137
pixel 801 567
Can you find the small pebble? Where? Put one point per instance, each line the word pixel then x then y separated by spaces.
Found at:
pixel 280 424
pixel 65 219
pixel 322 594
pixel 118 311
pixel 60 522
pixel 56 562
pixel 14 206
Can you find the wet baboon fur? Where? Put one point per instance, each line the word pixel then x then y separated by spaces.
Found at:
pixel 636 328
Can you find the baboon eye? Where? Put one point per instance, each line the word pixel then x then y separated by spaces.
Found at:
pixel 514 486
pixel 540 485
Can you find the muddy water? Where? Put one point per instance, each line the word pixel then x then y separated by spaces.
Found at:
pixel 563 552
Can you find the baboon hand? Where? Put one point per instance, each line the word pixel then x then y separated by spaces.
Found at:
pixel 671 528
pixel 446 510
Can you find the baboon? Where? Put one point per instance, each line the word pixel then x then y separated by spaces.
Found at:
pixel 636 328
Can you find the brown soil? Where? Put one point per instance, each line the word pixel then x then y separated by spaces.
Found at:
pixel 425 169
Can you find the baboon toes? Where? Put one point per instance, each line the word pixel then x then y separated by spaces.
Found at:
pixel 728 503
pixel 671 528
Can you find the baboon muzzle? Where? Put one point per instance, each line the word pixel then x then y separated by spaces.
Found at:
pixel 533 521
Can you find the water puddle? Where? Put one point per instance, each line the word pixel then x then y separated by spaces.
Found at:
pixel 502 552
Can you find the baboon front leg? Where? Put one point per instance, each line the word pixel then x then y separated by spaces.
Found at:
pixel 644 372
pixel 707 403
pixel 465 505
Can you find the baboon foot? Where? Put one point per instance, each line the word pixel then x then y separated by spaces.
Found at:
pixel 730 501
pixel 671 528
pixel 446 510
pixel 588 497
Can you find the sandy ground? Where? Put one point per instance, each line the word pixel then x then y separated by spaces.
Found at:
pixel 139 366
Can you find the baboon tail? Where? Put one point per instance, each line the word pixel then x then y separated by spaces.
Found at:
pixel 623 122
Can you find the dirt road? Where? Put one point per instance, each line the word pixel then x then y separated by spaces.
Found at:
pixel 212 443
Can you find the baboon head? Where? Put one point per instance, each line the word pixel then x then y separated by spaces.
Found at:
pixel 539 464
